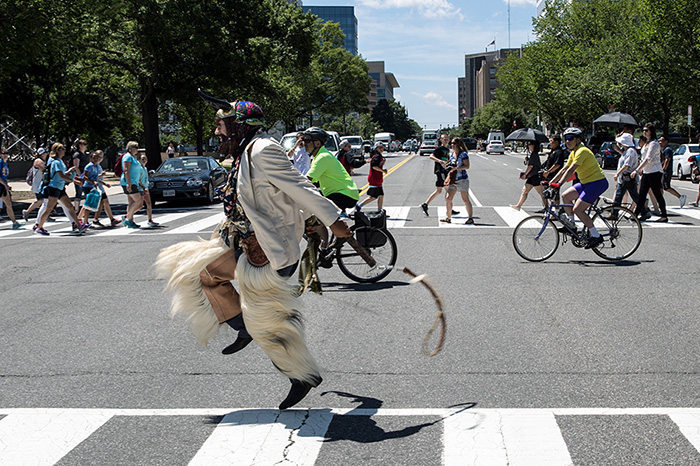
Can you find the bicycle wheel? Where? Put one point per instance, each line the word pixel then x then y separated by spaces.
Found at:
pixel 380 245
pixel 622 234
pixel 535 241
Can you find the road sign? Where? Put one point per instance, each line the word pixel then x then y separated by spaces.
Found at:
pixel 690 114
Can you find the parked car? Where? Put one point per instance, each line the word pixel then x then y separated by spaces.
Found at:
pixel 406 146
pixel 684 160
pixel 495 147
pixel 189 177
pixel 607 156
pixel 595 141
pixel 470 143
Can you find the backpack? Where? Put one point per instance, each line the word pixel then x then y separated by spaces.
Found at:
pixel 30 176
pixel 46 176
pixel 118 166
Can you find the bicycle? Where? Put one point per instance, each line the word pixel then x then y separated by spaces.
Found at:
pixel 536 238
pixel 367 256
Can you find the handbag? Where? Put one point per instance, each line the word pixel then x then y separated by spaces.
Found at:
pixel 451 178
pixel 92 200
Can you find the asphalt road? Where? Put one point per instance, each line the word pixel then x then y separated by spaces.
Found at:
pixel 574 360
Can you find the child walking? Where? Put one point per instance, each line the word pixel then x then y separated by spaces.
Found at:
pixel 375 178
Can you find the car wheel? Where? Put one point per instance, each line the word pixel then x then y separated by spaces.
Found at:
pixel 681 176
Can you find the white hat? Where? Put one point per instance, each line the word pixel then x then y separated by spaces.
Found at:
pixel 625 139
pixel 343 143
pixel 41 151
pixel 378 144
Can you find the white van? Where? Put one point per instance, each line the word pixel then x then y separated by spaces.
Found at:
pixel 429 141
pixel 496 135
pixel 386 138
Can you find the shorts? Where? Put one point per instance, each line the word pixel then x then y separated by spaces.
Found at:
pixel 534 180
pixel 440 180
pixel 39 196
pixel 666 182
pixel 54 192
pixel 3 191
pixel 134 189
pixel 343 201
pixel 590 192
pixel 86 191
pixel 79 191
pixel 462 186
pixel 375 191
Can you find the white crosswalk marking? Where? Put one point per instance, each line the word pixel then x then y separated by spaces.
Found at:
pixel 397 216
pixel 198 225
pixel 511 216
pixel 162 219
pixel 265 437
pixel 689 424
pixel 43 439
pixel 524 437
pixel 494 438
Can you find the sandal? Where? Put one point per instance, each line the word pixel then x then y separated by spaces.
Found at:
pixel 446 220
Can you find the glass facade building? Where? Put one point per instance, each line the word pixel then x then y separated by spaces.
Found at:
pixel 344 16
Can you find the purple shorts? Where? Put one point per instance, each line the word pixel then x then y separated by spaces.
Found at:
pixel 589 192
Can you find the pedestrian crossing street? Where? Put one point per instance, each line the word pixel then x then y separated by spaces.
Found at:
pixel 467 436
pixel 203 221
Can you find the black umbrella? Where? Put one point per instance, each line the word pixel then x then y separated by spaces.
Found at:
pixel 527 134
pixel 616 119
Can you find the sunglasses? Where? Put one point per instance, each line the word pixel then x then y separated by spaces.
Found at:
pixel 306 139
pixel 569 138
pixel 645 130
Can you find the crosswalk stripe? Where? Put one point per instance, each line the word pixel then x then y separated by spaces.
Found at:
pixel 689 425
pixel 511 216
pixel 45 438
pixel 198 225
pixel 162 219
pixel 397 216
pixel 268 436
pixel 262 437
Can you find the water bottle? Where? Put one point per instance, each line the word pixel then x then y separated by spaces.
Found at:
pixel 564 219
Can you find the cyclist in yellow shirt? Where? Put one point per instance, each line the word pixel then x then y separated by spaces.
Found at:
pixel 592 182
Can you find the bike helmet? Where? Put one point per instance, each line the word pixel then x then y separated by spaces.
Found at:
pixel 316 133
pixel 573 131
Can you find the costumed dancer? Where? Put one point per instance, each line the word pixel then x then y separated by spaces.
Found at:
pixel 266 203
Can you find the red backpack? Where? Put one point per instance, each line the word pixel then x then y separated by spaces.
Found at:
pixel 118 166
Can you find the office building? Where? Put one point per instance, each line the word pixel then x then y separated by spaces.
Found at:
pixel 383 82
pixel 479 84
pixel 344 16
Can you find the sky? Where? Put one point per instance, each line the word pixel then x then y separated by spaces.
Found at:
pixel 423 42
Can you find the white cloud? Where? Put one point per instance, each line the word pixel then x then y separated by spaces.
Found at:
pixel 426 8
pixel 437 100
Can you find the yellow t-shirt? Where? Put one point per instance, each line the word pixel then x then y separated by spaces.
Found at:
pixel 588 169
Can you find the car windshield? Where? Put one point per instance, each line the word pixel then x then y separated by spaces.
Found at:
pixel 496 143
pixel 331 145
pixel 429 137
pixel 355 141
pixel 694 148
pixel 181 164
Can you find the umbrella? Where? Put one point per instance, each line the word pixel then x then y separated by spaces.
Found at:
pixel 616 119
pixel 527 134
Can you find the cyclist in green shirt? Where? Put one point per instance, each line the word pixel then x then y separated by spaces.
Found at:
pixel 328 172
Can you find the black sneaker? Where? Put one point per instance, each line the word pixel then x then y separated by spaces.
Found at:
pixel 593 241
pixel 424 206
